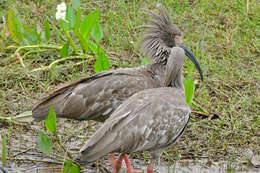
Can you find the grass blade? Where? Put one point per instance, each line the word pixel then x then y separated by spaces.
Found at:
pixel 4 149
pixel 47 30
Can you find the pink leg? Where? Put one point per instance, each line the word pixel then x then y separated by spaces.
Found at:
pixel 116 164
pixel 129 167
pixel 112 156
pixel 150 167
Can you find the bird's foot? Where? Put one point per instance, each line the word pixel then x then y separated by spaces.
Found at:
pixel 116 164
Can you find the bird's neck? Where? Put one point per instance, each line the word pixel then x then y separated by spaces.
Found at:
pixel 156 70
pixel 177 82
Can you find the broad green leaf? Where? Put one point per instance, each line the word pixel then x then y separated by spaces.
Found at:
pixel 77 23
pixel 30 37
pixel 75 4
pixel 88 22
pixel 93 46
pixel 4 149
pixel 70 167
pixel 44 143
pixel 189 87
pixel 70 16
pixel 14 26
pixel 74 168
pixel 82 41
pixel 65 24
pixel 67 166
pixel 97 33
pixel 65 49
pixel 88 44
pixel 47 30
pixel 37 32
pixel 50 121
pixel 190 67
pixel 102 62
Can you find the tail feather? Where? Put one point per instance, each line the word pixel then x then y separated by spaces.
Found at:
pixel 41 110
pixel 105 140
pixel 93 151
pixel 57 99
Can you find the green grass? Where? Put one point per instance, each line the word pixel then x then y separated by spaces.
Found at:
pixel 223 34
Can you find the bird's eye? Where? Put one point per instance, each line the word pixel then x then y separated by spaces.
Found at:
pixel 172 35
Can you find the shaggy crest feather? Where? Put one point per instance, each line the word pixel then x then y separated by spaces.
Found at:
pixel 155 44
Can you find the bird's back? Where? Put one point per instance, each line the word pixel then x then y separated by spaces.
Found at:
pixel 149 120
pixel 95 98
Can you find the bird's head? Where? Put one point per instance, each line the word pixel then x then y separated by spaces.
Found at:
pixel 160 36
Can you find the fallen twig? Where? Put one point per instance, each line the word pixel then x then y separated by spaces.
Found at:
pixel 23 115
pixel 200 113
pixel 22 152
pixel 20 59
pixel 51 65
pixel 34 160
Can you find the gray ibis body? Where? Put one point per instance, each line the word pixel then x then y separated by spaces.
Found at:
pixel 96 97
pixel 150 120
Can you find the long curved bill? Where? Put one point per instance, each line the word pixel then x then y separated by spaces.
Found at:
pixel 193 59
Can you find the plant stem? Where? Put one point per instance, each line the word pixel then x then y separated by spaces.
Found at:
pixel 60 144
pixel 47 46
pixel 71 41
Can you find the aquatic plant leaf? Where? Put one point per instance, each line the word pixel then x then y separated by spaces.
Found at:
pixel 65 49
pixel 74 168
pixel 75 4
pixel 70 167
pixel 102 62
pixel 88 22
pixel 65 24
pixel 189 87
pixel 37 32
pixel 70 16
pixel 97 32
pixel 14 26
pixel 50 121
pixel 47 30
pixel 77 22
pixel 44 143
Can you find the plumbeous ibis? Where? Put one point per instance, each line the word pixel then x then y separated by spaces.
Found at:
pixel 150 120
pixel 96 97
